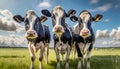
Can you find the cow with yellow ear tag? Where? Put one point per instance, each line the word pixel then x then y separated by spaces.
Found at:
pixel 84 35
pixel 37 35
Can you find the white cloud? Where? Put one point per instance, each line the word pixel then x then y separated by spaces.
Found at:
pixel 102 34
pixel 103 8
pixel 99 34
pixel 13 41
pixel 115 34
pixel 6 21
pixel 94 1
pixel 108 39
pixel 45 4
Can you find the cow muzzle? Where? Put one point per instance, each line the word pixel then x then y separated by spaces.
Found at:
pixel 59 30
pixel 31 34
pixel 85 33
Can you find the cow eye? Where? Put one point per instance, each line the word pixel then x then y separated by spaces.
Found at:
pixel 26 20
pixel 90 20
pixel 53 16
pixel 27 26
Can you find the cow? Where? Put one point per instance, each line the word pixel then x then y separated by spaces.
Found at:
pixel 84 35
pixel 37 35
pixel 62 33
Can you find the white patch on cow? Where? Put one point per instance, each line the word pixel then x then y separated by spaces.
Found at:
pixel 67 57
pixel 86 47
pixel 32 53
pixel 58 57
pixel 58 13
pixel 39 46
pixel 61 47
pixel 88 57
pixel 67 65
pixel 31 18
pixel 85 17
pixel 79 64
pixel 81 46
pixel 76 28
pixel 68 27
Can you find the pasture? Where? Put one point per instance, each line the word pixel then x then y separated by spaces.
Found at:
pixel 19 58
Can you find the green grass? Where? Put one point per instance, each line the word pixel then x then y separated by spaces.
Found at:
pixel 19 58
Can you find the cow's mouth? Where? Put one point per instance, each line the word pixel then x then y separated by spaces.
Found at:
pixel 59 33
pixel 84 35
pixel 31 37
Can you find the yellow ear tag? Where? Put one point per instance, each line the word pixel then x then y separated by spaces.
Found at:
pixel 97 19
pixel 43 20
pixel 18 20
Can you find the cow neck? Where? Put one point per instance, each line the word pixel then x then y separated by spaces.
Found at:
pixel 41 32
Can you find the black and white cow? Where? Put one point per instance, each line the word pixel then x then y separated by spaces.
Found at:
pixel 84 35
pixel 62 32
pixel 38 35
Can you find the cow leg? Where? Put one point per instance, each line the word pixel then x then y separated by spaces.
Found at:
pixel 80 62
pixel 41 54
pixel 67 57
pixel 32 54
pixel 88 60
pixel 74 53
pixel 83 62
pixel 46 53
pixel 88 56
pixel 62 59
pixel 57 57
pixel 80 55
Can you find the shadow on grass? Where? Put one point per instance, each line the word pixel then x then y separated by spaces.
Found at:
pixel 12 56
pixel 105 62
pixel 97 62
pixel 73 64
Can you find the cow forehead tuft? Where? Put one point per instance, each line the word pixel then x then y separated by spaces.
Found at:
pixel 31 12
pixel 58 7
pixel 85 16
pixel 59 11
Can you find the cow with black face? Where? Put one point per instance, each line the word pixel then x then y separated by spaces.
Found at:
pixel 38 35
pixel 84 35
pixel 62 33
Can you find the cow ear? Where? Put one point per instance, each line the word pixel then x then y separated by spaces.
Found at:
pixel 43 19
pixel 46 12
pixel 97 17
pixel 71 12
pixel 74 18
pixel 18 18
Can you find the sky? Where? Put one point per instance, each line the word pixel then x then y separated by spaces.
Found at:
pixel 109 24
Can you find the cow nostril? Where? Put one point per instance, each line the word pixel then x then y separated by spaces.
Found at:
pixel 34 33
pixel 60 28
pixel 55 28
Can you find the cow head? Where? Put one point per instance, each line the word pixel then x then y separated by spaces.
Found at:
pixel 32 23
pixel 84 19
pixel 58 16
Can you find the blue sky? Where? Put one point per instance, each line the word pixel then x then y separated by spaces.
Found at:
pixel 110 9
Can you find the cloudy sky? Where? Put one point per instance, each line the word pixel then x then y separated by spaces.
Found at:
pixel 107 28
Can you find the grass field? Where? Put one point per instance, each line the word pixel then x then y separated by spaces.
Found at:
pixel 18 58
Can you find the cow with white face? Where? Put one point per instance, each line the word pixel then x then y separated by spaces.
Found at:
pixel 84 35
pixel 38 35
pixel 62 32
